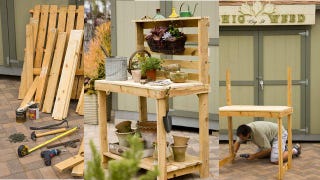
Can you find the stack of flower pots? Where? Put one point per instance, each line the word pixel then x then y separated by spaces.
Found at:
pixel 179 147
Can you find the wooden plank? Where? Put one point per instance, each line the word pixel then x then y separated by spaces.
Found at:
pixel 35 22
pixel 79 26
pixel 103 126
pixel 46 65
pixel 32 90
pixel 78 170
pixel 204 134
pixel 183 63
pixel 80 18
pixel 37 71
pixel 67 76
pixel 203 41
pixel 30 55
pixel 54 72
pixel 62 18
pixel 80 104
pixel 161 135
pixel 27 74
pixel 225 161
pixel 143 112
pixel 70 19
pixel 41 35
pixel 69 163
pixel 23 80
pixel 52 17
pixel 280 152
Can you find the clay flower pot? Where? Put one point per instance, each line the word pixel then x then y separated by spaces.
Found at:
pixel 180 140
pixel 151 75
pixel 123 138
pixel 124 126
pixel 179 153
pixel 148 131
pixel 136 75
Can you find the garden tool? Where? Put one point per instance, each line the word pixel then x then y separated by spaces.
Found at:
pixel 52 126
pixel 187 13
pixel 23 149
pixel 35 135
pixel 167 121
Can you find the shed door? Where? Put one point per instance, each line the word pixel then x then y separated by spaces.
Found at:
pixel 258 61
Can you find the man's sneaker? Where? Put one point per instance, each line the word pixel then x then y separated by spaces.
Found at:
pixel 298 148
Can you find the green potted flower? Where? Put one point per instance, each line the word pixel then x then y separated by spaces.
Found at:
pixel 150 66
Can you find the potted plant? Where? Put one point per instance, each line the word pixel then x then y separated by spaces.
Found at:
pixel 150 66
pixel 94 68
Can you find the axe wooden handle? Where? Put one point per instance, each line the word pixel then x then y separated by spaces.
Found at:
pixel 51 132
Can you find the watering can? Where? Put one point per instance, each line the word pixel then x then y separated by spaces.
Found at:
pixel 187 13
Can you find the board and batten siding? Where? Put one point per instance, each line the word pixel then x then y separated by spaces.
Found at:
pixel 126 45
pixel 315 77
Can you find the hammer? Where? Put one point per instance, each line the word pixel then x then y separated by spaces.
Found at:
pixel 35 135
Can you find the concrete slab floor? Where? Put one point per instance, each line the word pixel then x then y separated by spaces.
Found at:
pixel 306 166
pixel 31 166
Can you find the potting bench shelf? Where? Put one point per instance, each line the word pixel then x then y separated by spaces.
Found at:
pixel 197 84
pixel 174 169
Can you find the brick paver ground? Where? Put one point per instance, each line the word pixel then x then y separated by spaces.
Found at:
pixel 305 167
pixel 32 165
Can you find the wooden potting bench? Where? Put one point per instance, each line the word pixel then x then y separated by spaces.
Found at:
pixel 277 112
pixel 197 84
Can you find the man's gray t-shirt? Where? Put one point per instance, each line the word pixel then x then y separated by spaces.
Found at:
pixel 263 133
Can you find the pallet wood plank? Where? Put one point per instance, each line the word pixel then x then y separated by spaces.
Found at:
pixel 78 170
pixel 46 65
pixel 35 22
pixel 69 163
pixel 80 104
pixel 80 17
pixel 53 17
pixel 70 19
pixel 67 76
pixel 32 90
pixel 41 35
pixel 80 79
pixel 62 18
pixel 54 72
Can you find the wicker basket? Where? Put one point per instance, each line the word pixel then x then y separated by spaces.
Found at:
pixel 167 47
pixel 130 64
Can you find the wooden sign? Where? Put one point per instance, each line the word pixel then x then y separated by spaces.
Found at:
pixel 260 13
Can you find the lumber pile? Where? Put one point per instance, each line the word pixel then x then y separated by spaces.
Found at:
pixel 53 65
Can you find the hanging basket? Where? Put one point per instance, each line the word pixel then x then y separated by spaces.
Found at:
pixel 167 46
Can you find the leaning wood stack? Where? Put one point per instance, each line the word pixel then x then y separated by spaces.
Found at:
pixel 47 36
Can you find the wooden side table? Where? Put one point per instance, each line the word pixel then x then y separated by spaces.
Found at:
pixel 277 112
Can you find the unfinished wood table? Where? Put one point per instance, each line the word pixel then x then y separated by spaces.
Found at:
pixel 277 112
pixel 167 169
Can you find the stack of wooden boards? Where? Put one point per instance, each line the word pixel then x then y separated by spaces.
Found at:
pixel 53 63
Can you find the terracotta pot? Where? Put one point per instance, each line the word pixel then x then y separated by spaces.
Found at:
pixel 151 75
pixel 123 138
pixel 180 140
pixel 123 127
pixel 136 75
pixel 179 153
pixel 148 131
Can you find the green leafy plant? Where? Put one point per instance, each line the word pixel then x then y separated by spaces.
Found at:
pixel 151 63
pixel 123 169
pixel 94 169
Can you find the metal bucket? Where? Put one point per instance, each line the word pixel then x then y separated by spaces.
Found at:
pixel 21 115
pixel 33 112
pixel 116 68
